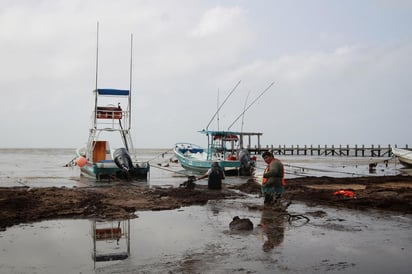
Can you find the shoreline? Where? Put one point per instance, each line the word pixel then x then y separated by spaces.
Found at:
pixel 25 205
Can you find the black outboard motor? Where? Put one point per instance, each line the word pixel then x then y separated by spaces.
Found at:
pixel 247 165
pixel 122 159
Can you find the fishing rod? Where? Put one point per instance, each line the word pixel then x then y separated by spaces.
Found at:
pixel 251 104
pixel 217 111
pixel 97 73
pixel 217 106
pixel 243 116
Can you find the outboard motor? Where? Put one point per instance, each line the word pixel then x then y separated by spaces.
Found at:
pixel 122 159
pixel 247 165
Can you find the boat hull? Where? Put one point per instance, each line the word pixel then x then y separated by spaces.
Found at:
pixel 108 170
pixel 196 160
pixel 404 156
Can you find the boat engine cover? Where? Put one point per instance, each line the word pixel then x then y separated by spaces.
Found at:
pixel 122 159
pixel 244 156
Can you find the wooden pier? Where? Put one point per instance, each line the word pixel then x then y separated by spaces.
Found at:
pixel 354 151
pixel 325 150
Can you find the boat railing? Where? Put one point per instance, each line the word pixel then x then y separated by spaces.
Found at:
pixel 111 119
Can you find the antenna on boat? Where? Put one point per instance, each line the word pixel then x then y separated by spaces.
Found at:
pixel 130 79
pixel 97 72
pixel 217 105
pixel 227 97
pixel 254 101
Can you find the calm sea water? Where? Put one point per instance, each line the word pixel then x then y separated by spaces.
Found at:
pixel 46 167
pixel 197 239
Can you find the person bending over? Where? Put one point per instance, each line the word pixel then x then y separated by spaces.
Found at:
pixel 215 175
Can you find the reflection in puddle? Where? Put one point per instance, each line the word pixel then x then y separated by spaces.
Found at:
pixel 273 225
pixel 111 240
pixel 196 239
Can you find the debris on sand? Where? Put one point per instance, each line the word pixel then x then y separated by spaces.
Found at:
pixel 23 204
pixel 238 224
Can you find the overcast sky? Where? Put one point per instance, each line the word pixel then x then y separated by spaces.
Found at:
pixel 342 69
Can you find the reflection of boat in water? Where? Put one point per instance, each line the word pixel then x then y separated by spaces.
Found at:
pixel 404 156
pixel 221 148
pixel 111 240
pixel 111 120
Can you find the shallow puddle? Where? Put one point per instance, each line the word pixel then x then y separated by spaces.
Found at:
pixel 197 239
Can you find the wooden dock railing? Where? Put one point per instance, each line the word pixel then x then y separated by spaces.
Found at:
pixel 349 151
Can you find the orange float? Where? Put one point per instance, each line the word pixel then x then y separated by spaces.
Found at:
pixel 345 193
pixel 81 161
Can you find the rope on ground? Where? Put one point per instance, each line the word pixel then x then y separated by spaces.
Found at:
pixel 282 206
pixel 296 217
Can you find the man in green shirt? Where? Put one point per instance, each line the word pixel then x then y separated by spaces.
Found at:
pixel 273 179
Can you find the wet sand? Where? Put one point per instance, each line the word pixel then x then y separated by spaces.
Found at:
pixel 22 204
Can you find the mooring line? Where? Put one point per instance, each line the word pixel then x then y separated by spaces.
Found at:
pixel 318 169
pixel 173 171
pixel 160 154
pixel 20 182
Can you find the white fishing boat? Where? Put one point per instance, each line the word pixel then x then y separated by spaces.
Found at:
pixel 404 156
pixel 111 125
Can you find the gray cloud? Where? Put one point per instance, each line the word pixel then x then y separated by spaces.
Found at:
pixel 341 69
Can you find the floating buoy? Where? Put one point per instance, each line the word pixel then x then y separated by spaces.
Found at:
pixel 81 161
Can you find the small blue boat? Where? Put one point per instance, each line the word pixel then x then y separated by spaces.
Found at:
pixel 221 148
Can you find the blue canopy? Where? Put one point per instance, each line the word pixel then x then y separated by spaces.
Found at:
pixel 109 91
